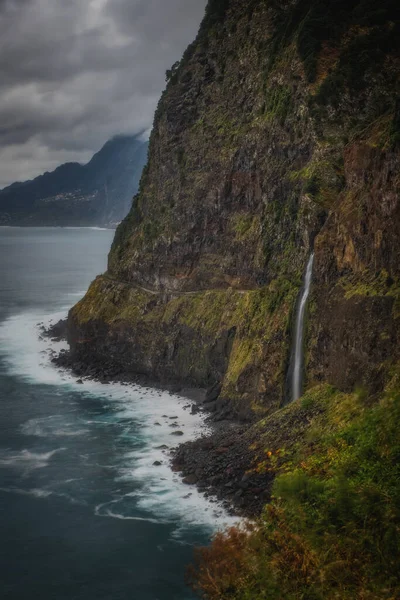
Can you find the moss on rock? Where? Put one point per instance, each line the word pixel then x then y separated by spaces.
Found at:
pixel 276 134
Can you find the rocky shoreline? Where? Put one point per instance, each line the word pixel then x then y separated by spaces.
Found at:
pixel 220 464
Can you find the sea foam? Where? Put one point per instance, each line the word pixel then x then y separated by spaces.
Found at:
pixel 145 418
pixel 25 459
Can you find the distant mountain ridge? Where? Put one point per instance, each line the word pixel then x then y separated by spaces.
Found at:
pixel 98 193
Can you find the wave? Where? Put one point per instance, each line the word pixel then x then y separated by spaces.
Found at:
pixel 35 492
pixel 25 352
pixel 41 493
pixel 53 426
pixel 101 511
pixel 25 459
pixel 145 421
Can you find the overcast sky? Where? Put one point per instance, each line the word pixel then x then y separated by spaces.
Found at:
pixel 73 73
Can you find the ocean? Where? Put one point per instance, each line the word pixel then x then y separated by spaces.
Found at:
pixel 84 512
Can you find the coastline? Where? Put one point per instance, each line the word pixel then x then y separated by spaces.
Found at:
pixel 220 462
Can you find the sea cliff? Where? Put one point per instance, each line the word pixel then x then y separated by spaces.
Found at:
pixel 278 133
pixel 278 136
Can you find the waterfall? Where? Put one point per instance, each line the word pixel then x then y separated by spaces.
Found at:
pixel 297 375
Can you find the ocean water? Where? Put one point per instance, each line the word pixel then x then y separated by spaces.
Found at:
pixel 84 512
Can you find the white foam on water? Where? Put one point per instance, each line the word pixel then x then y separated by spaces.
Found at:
pixel 26 460
pixel 39 493
pixel 25 353
pixel 52 426
pixel 102 510
pixel 162 491
pixel 112 515
pixel 35 492
pixel 156 489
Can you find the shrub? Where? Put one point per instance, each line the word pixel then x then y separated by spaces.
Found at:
pixel 333 528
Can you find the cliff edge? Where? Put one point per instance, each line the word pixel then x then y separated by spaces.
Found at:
pixel 278 137
pixel 278 133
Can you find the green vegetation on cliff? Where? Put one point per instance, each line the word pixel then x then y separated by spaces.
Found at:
pixel 332 529
pixel 217 322
pixel 277 135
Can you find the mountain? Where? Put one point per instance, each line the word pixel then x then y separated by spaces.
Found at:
pixel 98 193
pixel 276 138
pixel 275 152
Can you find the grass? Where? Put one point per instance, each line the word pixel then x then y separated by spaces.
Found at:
pixel 332 529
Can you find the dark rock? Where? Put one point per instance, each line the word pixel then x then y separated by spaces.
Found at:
pixel 213 393
pixel 57 332
pixel 221 450
pixel 190 480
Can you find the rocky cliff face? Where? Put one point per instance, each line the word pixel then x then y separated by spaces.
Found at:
pixel 277 133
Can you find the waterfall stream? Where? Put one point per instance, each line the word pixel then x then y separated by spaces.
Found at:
pixel 297 374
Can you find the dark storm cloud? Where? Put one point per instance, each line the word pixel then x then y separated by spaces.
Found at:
pixel 75 72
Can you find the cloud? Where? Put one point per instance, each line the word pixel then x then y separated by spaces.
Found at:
pixel 74 73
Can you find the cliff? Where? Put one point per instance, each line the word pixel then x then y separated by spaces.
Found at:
pixel 278 133
pixel 98 193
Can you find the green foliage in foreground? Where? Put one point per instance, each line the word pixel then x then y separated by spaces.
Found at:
pixel 332 530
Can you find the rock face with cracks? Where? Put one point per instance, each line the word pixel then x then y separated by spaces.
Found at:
pixel 278 133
